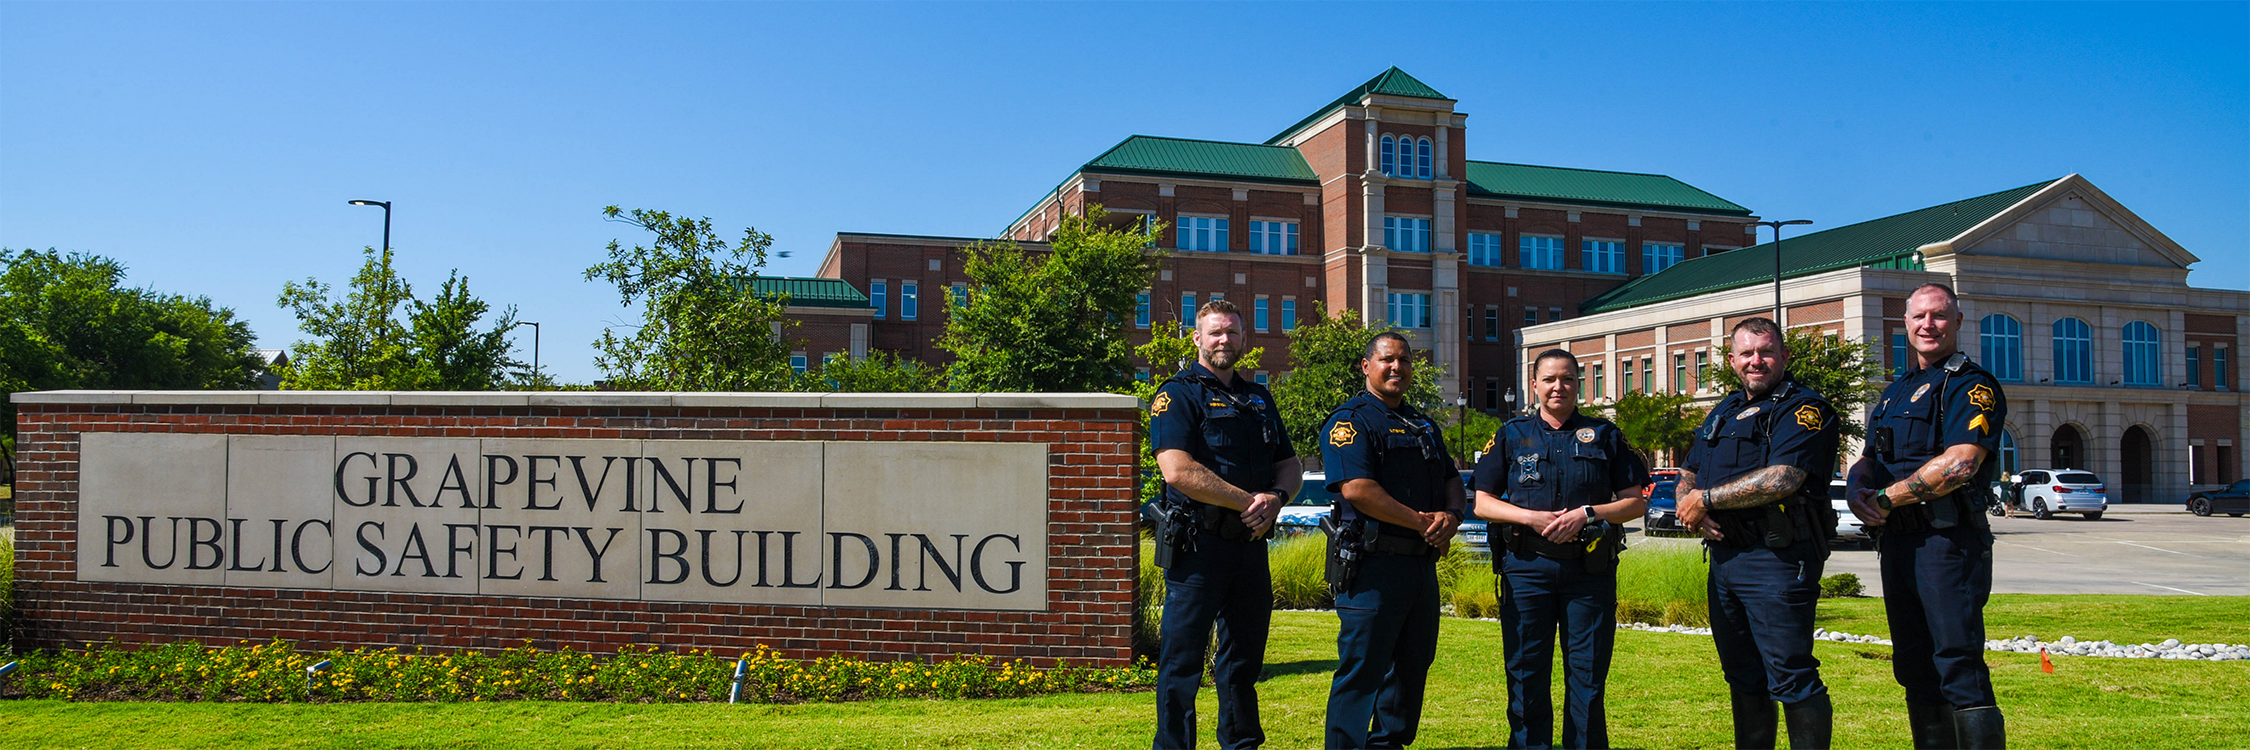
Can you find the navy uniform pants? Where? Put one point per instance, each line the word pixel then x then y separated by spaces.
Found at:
pixel 1384 650
pixel 1762 603
pixel 1542 594
pixel 1227 583
pixel 1934 588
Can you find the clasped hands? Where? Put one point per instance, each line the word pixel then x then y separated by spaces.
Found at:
pixel 1559 526
pixel 1863 505
pixel 1263 511
pixel 1696 517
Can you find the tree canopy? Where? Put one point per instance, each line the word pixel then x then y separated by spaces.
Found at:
pixel 1054 321
pixel 1326 353
pixel 360 343
pixel 1654 423
pixel 1836 367
pixel 701 329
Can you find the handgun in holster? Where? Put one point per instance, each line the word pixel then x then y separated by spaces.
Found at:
pixel 1347 546
pixel 1175 531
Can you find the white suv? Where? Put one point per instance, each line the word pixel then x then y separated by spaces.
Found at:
pixel 2050 491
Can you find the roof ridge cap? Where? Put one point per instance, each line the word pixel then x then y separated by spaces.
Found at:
pixel 1576 169
pixel 1193 140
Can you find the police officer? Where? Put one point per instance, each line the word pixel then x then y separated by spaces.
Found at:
pixel 1930 448
pixel 1404 500
pixel 1755 485
pixel 1228 468
pixel 1556 486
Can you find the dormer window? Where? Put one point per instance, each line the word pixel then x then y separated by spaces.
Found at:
pixel 1405 156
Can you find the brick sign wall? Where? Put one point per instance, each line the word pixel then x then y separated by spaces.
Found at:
pixel 878 525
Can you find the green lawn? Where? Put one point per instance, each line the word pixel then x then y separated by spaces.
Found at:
pixel 1665 692
pixel 2125 619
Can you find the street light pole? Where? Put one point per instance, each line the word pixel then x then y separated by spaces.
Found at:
pixel 386 220
pixel 1777 225
pixel 534 345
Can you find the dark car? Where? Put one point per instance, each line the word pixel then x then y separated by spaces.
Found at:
pixel 2233 500
pixel 1663 516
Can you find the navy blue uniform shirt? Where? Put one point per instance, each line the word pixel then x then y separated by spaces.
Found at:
pixel 1792 425
pixel 1536 467
pixel 1235 431
pixel 1398 448
pixel 1970 405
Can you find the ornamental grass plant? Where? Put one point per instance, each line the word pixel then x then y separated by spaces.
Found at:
pixel 277 672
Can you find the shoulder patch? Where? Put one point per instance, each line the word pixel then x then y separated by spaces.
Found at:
pixel 1810 417
pixel 1341 435
pixel 1980 396
pixel 1163 401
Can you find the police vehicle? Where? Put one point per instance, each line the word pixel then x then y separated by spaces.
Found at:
pixel 1663 515
pixel 2050 491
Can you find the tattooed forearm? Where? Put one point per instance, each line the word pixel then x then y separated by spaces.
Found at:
pixel 1939 477
pixel 1762 487
pixel 1686 485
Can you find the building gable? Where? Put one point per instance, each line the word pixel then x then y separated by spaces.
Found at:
pixel 2072 221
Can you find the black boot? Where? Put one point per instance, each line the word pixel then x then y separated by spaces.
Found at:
pixel 1812 722
pixel 1754 718
pixel 1932 724
pixel 1980 728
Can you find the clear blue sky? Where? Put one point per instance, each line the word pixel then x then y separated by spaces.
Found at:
pixel 211 147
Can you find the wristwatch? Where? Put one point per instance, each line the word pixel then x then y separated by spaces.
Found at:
pixel 1591 515
pixel 1883 499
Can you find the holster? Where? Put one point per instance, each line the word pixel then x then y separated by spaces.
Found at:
pixel 1602 551
pixel 1175 533
pixel 1345 551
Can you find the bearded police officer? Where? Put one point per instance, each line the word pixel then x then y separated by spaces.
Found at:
pixel 1228 468
pixel 1558 486
pixel 1755 485
pixel 1403 501
pixel 1930 448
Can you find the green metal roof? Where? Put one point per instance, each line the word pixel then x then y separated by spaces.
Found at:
pixel 1394 82
pixel 1888 242
pixel 1142 154
pixel 811 292
pixel 1628 189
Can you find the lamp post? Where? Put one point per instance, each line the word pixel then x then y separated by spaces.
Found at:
pixel 1777 225
pixel 1461 405
pixel 1511 401
pixel 386 219
pixel 534 345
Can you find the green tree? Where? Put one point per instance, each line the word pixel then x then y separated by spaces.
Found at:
pixel 1167 349
pixel 1654 423
pixel 1466 438
pixel 1050 322
pixel 1836 367
pixel 66 321
pixel 880 372
pixel 1325 354
pixel 700 330
pixel 359 342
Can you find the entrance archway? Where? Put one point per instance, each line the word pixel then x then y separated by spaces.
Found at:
pixel 2068 449
pixel 2139 457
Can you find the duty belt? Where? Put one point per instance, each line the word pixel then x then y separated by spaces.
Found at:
pixel 1225 522
pixel 1400 546
pixel 1523 541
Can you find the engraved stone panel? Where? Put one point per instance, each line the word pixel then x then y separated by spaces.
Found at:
pixel 561 518
pixel 280 520
pixel 936 525
pixel 406 514
pixel 732 521
pixel 151 507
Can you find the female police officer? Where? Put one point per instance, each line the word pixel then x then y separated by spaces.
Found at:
pixel 1558 484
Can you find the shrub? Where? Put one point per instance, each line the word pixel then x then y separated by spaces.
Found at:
pixel 275 673
pixel 1300 572
pixel 1841 585
pixel 1640 610
pixel 7 586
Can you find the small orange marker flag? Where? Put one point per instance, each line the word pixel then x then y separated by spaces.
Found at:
pixel 2045 665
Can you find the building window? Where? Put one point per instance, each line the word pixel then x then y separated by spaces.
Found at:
pixel 2195 366
pixel 1288 315
pixel 1598 392
pixel 1491 394
pixel 1410 235
pixel 2142 367
pixel 1531 316
pixel 909 300
pixel 1491 323
pixel 1625 376
pixel 1898 354
pixel 1544 253
pixel 1187 310
pixel 1604 256
pixel 1648 373
pixel 1702 362
pixel 1258 314
pixel 1423 145
pixel 1554 314
pixel 1484 250
pixel 2002 346
pixel 797 362
pixel 1657 257
pixel 879 292
pixel 1140 309
pixel 2074 351
pixel 1202 234
pixel 1409 310
pixel 2007 451
pixel 960 294
pixel 1273 237
pixel 1390 155
pixel 1679 373
pixel 2218 368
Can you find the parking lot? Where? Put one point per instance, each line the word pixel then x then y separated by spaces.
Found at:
pixel 2133 549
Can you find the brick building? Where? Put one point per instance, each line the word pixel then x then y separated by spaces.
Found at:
pixel 2110 361
pixel 1369 203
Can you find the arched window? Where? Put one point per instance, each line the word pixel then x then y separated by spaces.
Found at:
pixel 2002 353
pixel 2142 367
pixel 1389 154
pixel 2074 351
pixel 2007 452
pixel 1424 145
